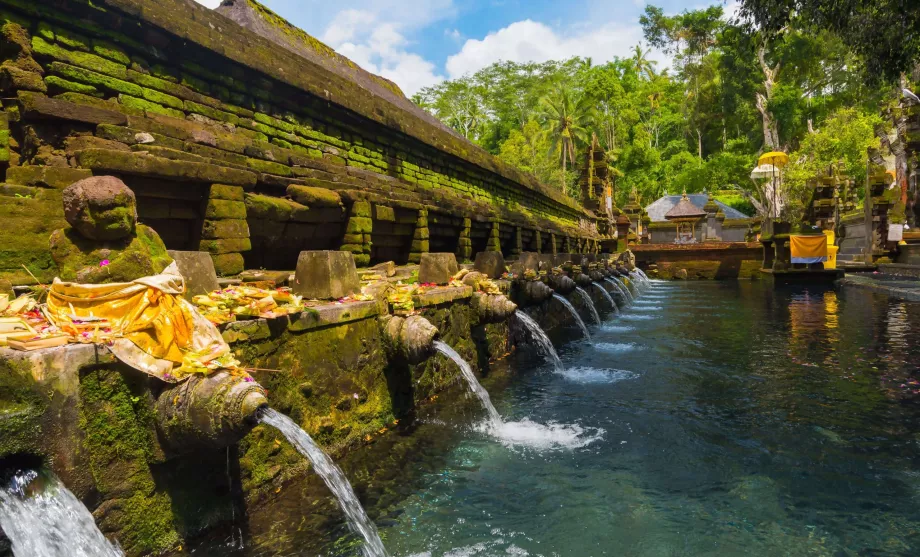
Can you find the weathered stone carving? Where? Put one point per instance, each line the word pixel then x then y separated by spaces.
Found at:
pixel 105 244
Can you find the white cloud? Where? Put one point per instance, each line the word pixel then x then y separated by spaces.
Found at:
pixel 531 41
pixel 209 3
pixel 381 48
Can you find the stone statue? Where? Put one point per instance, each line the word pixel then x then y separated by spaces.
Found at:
pixel 105 243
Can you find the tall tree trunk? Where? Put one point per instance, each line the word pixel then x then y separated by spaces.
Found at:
pixel 770 126
pixel 699 143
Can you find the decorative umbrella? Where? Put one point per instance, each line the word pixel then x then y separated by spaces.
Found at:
pixel 776 158
pixel 773 160
pixel 763 171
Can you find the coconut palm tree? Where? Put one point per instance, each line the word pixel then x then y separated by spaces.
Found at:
pixel 566 118
pixel 641 63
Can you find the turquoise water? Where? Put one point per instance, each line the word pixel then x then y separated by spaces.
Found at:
pixel 712 418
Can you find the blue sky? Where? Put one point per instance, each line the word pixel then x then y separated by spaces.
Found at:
pixel 417 43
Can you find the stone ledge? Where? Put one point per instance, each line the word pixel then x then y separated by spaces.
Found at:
pixel 60 365
pixel 444 295
pixel 332 314
pixel 140 163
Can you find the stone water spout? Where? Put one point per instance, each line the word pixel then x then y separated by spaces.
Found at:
pixel 532 292
pixel 492 308
pixel 410 337
pixel 583 280
pixel 211 411
pixel 561 283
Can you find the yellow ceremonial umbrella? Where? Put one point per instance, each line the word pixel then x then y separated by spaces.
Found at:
pixel 771 161
pixel 776 158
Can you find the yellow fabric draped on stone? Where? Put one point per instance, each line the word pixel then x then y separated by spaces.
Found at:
pixel 808 246
pixel 154 329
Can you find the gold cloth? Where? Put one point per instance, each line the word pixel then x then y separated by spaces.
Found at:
pixel 153 328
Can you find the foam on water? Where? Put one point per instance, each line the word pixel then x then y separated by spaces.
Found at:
pixel 597 375
pixel 633 317
pixel 609 328
pixel 639 307
pixel 546 437
pixel 615 346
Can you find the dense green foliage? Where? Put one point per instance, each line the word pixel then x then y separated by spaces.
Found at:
pixel 885 33
pixel 730 94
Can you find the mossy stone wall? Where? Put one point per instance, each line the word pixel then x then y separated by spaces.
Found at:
pixel 119 95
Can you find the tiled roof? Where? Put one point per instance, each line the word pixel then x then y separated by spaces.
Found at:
pixel 658 209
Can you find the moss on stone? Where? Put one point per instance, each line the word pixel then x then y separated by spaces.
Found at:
pixel 268 167
pixel 223 209
pixel 119 440
pixel 21 408
pixel 81 260
pixel 82 59
pixel 143 106
pixel 225 245
pixel 228 264
pixel 56 84
pixel 229 193
pixel 95 79
pixel 110 51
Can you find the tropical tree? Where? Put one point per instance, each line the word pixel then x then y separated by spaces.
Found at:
pixel 566 117
pixel 641 63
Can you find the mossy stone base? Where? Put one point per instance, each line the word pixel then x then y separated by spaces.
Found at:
pixel 81 260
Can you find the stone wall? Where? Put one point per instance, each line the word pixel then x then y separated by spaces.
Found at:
pixel 732 231
pixel 235 145
pixel 701 261
pixel 92 420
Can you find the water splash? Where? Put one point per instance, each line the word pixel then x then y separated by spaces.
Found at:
pixel 551 436
pixel 590 303
pixel 611 328
pixel 43 519
pixel 607 295
pixel 543 341
pixel 495 420
pixel 627 295
pixel 615 346
pixel 593 375
pixel 332 475
pixel 571 308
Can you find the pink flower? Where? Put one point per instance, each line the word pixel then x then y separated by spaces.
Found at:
pixel 104 263
pixel 248 379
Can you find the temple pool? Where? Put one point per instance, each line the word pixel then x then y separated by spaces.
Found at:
pixel 712 418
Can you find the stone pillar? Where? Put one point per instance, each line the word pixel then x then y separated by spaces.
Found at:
pixel 712 231
pixel 357 239
pixel 494 243
pixel 517 246
pixel 781 258
pixel 420 238
pixel 538 238
pixel 464 244
pixel 225 232
pixel 567 245
pixel 552 244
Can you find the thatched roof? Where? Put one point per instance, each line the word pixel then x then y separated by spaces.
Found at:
pixel 685 209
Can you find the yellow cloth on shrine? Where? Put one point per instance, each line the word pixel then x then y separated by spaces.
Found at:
pixel 152 328
pixel 808 247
